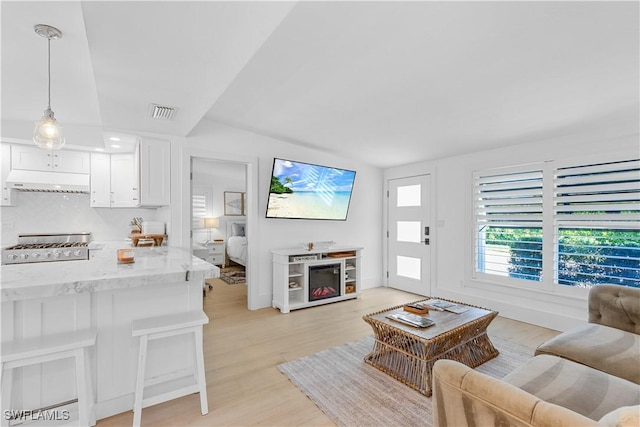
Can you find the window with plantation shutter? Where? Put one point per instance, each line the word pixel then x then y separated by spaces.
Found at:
pixel 198 209
pixel 597 224
pixel 508 208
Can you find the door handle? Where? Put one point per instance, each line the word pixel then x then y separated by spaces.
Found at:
pixel 426 241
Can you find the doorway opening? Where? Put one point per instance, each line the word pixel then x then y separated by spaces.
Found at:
pixel 219 217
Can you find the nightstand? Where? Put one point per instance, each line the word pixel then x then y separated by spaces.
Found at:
pixel 216 253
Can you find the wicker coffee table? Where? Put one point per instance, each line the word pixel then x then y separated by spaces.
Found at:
pixel 407 353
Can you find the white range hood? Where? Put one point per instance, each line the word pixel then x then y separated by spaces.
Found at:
pixel 56 182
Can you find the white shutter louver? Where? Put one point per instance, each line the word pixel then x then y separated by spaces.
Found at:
pixel 199 210
pixel 508 206
pixel 597 217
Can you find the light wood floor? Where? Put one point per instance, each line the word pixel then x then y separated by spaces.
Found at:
pixel 243 349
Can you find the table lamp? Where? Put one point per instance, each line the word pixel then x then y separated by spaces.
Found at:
pixel 210 223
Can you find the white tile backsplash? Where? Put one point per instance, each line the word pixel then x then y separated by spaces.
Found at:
pixel 61 212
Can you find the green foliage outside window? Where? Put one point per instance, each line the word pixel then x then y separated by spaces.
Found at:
pixel 586 257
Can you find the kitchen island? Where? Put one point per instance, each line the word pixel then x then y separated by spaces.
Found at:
pixel 46 298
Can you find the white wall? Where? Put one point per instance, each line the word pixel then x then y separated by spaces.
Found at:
pixel 453 225
pixel 362 228
pixel 59 212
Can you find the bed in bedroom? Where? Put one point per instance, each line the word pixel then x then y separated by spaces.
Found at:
pixel 237 242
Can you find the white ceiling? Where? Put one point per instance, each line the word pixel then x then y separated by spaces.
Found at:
pixel 386 82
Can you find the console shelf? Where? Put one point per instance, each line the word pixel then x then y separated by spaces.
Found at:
pixel 303 278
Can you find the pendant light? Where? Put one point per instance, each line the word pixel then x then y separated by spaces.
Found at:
pixel 48 133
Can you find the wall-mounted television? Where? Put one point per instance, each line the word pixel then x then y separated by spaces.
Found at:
pixel 306 191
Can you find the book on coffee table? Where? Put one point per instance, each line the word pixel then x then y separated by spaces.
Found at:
pixel 411 319
pixel 442 305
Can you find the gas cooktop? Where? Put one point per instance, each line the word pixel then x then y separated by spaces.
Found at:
pixel 47 248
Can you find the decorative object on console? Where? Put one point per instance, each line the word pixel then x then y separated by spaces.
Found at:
pixel 320 245
pixel 210 223
pixel 306 191
pixel 48 132
pixel 233 203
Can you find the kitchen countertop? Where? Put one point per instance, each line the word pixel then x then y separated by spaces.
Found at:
pixel 152 266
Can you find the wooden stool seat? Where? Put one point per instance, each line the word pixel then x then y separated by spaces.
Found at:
pixel 161 327
pixel 31 351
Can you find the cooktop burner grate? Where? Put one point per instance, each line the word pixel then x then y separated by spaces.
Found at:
pixel 49 245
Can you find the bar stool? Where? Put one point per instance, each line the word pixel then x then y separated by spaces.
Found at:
pixel 161 327
pixel 31 351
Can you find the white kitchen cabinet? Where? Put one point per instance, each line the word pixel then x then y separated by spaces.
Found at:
pixel 8 194
pixel 37 159
pixel 114 180
pixel 155 172
pixel 124 181
pixel 100 180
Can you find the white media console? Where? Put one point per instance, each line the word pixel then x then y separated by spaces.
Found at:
pixel 305 278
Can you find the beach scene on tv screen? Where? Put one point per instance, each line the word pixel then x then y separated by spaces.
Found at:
pixel 302 190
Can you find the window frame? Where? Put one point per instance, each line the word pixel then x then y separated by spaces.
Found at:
pixel 550 225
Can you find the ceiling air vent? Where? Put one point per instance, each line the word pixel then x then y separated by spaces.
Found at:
pixel 161 112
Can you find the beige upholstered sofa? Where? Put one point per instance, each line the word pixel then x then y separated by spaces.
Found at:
pixel 586 376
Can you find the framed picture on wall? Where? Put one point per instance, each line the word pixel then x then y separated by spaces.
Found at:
pixel 233 203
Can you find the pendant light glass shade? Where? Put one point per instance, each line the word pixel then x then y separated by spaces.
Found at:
pixel 48 133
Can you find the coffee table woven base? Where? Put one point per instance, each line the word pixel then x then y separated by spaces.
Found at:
pixel 408 355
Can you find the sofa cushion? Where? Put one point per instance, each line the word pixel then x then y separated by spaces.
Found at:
pixel 627 416
pixel 584 390
pixel 607 349
pixel 616 306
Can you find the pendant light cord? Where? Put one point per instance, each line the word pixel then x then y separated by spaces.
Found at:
pixel 49 70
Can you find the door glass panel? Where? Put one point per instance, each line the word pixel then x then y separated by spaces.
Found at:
pixel 408 267
pixel 409 195
pixel 408 231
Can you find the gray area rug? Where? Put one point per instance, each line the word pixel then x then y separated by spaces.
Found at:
pixel 353 393
pixel 233 277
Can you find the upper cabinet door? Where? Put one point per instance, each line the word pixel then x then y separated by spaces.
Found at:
pixel 8 196
pixel 37 159
pixel 124 181
pixel 31 158
pixel 155 172
pixel 71 161
pixel 100 180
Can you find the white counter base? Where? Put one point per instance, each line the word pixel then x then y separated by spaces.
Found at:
pixel 109 303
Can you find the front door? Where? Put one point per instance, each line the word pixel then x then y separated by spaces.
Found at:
pixel 409 229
